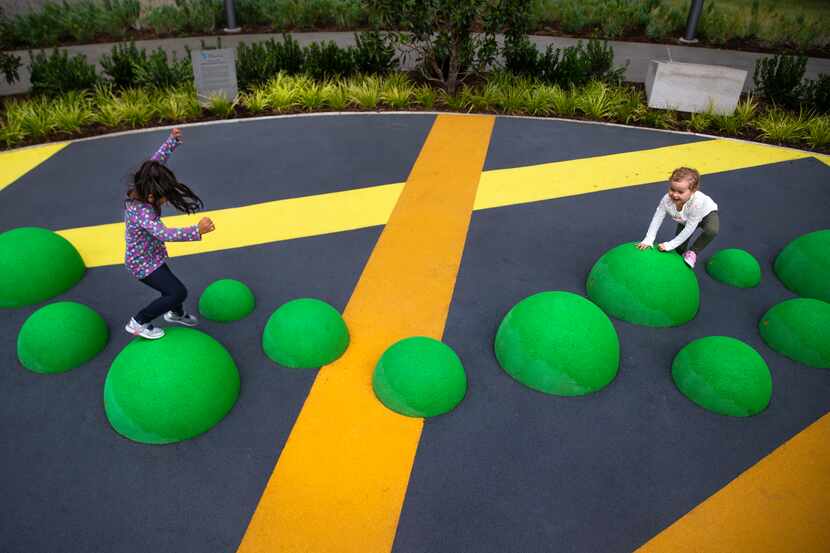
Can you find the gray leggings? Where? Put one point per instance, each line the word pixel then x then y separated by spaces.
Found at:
pixel 709 225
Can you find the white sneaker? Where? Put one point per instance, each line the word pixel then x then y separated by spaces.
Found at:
pixel 187 319
pixel 147 331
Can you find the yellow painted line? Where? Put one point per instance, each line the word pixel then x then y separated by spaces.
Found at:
pixel 340 481
pixel 364 207
pixel 505 187
pixel 779 505
pixel 253 224
pixel 17 163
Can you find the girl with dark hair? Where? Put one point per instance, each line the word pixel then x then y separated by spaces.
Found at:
pixel 153 185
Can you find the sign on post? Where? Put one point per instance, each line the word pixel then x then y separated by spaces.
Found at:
pixel 214 72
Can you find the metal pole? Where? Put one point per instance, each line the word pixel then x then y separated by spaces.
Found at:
pixel 691 24
pixel 230 12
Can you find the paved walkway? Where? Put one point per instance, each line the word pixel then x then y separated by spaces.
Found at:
pixel 636 54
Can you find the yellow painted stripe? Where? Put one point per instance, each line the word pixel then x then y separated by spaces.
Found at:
pixel 580 176
pixel 253 224
pixel 340 481
pixel 364 207
pixel 779 505
pixel 17 163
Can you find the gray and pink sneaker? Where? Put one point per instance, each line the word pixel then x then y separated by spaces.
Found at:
pixel 690 258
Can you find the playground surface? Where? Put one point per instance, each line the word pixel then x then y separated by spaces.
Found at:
pixel 417 225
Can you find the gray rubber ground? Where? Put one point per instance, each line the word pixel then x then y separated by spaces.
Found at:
pixel 510 470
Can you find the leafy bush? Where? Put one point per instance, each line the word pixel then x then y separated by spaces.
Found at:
pixel 259 62
pixel 577 65
pixel 327 60
pixel 778 79
pixel 9 65
pixel 58 73
pixel 164 20
pixel 780 127
pixel 375 53
pixel 120 65
pixel 156 72
pixel 521 57
pixel 665 21
pixel 817 94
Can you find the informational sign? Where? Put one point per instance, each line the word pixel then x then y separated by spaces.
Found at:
pixel 214 72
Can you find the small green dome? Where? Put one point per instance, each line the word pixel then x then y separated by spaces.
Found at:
pixel 800 329
pixel 61 336
pixel 304 334
pixel 36 264
pixel 226 300
pixel 558 343
pixel 420 377
pixel 170 389
pixel 804 265
pixel 723 375
pixel 646 287
pixel 735 267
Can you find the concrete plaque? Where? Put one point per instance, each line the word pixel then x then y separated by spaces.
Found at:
pixel 214 72
pixel 694 87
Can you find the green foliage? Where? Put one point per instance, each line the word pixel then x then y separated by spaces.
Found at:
pixel 157 72
pixel 9 65
pixel 818 132
pixel 178 105
pixel 165 20
pixel 364 92
pixel 778 79
pixel 327 60
pixel 221 106
pixel 375 53
pixel 666 21
pixel 259 62
pixel 120 65
pixel 58 73
pixel 817 94
pixel 780 127
pixel 72 112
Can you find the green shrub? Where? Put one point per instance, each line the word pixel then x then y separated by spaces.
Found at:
pixel 579 65
pixel 200 16
pixel 521 57
pixel 665 21
pixel 717 25
pixel 259 62
pixel 327 60
pixel 165 20
pixel 375 53
pixel 120 65
pixel 818 132
pixel 156 72
pixel 817 94
pixel 58 73
pixel 781 127
pixel 778 79
pixel 9 66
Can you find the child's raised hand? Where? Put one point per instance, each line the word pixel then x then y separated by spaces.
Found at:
pixel 643 246
pixel 206 225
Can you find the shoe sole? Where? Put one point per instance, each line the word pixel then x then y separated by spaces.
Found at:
pixel 131 333
pixel 173 321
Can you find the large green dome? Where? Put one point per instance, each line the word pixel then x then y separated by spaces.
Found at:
pixel 36 264
pixel 804 265
pixel 61 336
pixel 723 375
pixel 304 334
pixel 800 329
pixel 558 343
pixel 646 287
pixel 420 377
pixel 170 389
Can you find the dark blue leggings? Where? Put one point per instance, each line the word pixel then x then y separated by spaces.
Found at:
pixel 173 294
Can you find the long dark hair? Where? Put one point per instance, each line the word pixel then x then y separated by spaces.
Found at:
pixel 155 178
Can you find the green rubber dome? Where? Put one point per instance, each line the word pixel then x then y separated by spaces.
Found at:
pixel 800 329
pixel 61 336
pixel 804 265
pixel 646 287
pixel 723 375
pixel 36 264
pixel 304 334
pixel 420 377
pixel 171 389
pixel 226 300
pixel 735 267
pixel 558 343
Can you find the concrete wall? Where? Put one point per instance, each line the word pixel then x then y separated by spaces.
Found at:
pixel 14 7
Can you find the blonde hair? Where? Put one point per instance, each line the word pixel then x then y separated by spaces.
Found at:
pixel 686 173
